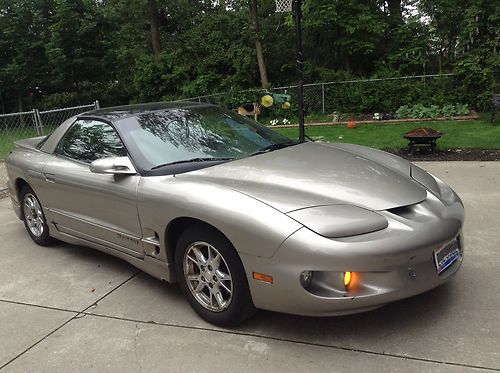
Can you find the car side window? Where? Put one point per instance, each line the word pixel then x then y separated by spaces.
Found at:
pixel 88 140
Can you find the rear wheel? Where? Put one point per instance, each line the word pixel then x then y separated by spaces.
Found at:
pixel 33 217
pixel 212 277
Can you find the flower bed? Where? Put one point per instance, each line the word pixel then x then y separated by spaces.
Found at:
pixel 472 116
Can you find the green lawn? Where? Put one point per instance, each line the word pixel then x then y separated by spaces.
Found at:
pixel 8 136
pixel 479 134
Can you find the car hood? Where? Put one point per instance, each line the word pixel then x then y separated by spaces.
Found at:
pixel 314 174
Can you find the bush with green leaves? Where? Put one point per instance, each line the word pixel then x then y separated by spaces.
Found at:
pixel 420 111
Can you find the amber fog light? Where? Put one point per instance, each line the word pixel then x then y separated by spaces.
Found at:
pixel 347 278
pixel 305 279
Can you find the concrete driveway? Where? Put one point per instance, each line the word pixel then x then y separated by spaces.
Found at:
pixel 71 309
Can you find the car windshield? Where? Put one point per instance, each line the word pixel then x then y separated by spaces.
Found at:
pixel 195 134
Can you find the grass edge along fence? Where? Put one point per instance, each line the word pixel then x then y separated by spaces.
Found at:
pixel 16 126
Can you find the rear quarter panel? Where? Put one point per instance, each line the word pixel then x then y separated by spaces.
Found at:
pixel 26 164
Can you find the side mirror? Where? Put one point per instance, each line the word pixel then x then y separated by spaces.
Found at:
pixel 113 165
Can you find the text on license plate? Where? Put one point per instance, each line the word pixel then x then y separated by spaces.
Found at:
pixel 445 255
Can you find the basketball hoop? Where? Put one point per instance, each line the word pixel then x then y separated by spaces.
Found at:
pixel 283 6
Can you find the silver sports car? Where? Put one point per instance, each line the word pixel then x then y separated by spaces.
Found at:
pixel 240 216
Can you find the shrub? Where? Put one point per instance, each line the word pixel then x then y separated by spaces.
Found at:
pixel 420 111
pixel 58 100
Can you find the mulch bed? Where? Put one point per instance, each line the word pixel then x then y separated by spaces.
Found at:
pixel 450 155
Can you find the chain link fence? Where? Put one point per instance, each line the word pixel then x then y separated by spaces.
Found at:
pixel 34 123
pixel 349 96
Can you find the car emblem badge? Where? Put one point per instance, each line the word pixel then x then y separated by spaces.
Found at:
pixel 411 273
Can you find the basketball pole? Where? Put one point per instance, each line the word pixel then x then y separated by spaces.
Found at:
pixel 300 79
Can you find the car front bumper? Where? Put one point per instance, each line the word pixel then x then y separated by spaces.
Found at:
pixel 388 265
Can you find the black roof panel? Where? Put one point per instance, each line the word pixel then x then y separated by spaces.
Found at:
pixel 120 112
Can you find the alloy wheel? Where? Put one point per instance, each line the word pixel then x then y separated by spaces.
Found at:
pixel 208 276
pixel 33 214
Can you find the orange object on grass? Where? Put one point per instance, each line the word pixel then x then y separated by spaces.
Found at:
pixel 351 124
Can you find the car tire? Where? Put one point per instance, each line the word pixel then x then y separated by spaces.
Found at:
pixel 34 218
pixel 212 277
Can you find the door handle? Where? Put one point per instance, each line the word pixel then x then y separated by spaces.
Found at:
pixel 49 177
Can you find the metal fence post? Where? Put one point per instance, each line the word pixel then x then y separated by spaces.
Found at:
pixel 96 105
pixel 38 121
pixel 323 96
pixel 35 122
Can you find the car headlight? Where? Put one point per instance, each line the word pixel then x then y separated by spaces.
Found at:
pixel 335 221
pixel 426 179
pixel 446 194
pixel 436 186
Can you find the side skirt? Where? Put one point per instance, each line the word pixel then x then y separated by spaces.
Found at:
pixel 154 267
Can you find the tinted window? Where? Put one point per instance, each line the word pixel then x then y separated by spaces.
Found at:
pixel 88 140
pixel 178 134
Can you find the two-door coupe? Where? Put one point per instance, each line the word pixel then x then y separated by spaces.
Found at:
pixel 240 216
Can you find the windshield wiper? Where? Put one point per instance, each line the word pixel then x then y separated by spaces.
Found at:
pixel 272 147
pixel 192 160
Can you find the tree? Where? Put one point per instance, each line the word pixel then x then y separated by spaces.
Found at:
pixel 78 49
pixel 23 33
pixel 154 25
pixel 343 34
pixel 466 40
pixel 115 50
pixel 254 16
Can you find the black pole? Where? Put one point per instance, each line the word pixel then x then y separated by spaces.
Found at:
pixel 300 81
pixel 1 102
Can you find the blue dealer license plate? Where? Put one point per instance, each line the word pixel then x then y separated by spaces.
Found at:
pixel 446 255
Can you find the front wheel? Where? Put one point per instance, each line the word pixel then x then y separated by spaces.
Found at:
pixel 33 217
pixel 212 277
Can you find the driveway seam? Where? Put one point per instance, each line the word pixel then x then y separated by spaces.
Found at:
pixel 76 316
pixel 287 340
pixel 38 306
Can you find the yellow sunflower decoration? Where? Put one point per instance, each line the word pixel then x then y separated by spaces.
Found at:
pixel 267 101
pixel 286 105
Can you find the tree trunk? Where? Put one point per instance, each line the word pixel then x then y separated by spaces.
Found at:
pixel 258 44
pixel 20 102
pixel 154 25
pixel 20 108
pixel 395 11
pixel 78 92
pixel 1 102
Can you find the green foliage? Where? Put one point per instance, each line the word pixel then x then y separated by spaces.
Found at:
pixel 81 50
pixel 387 96
pixel 460 109
pixel 58 100
pixel 404 112
pixel 23 33
pixel 78 44
pixel 351 30
pixel 419 111
pixel 277 112
pixel 233 100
